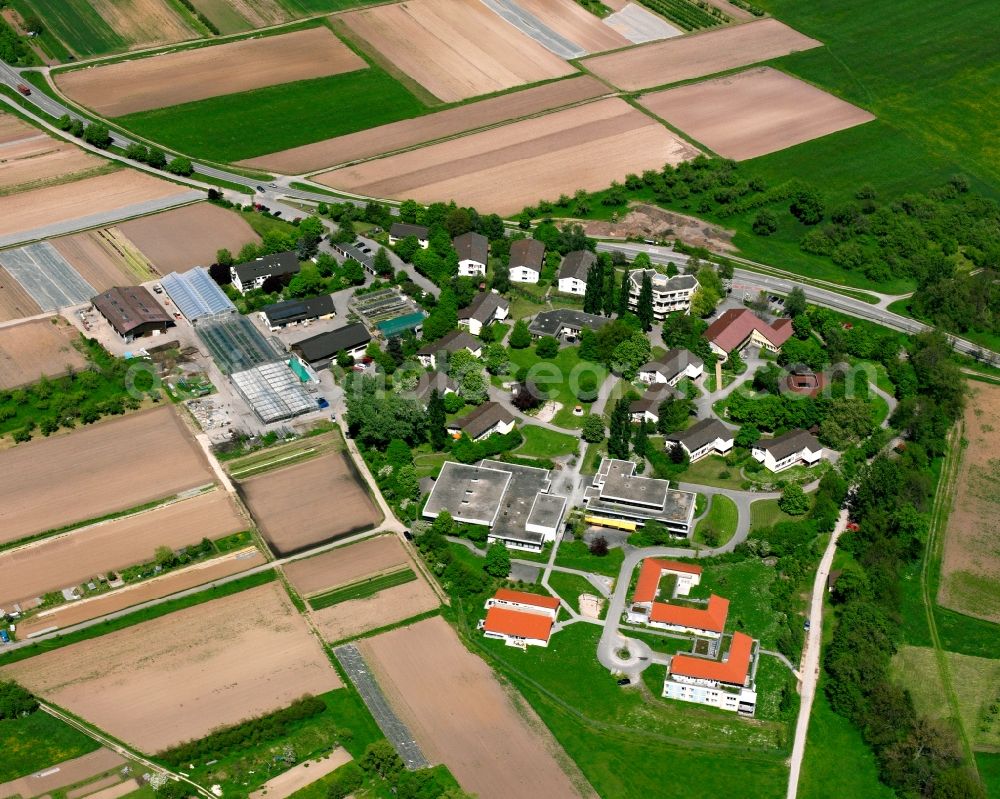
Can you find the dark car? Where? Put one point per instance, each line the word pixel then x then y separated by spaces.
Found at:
pixel 407 535
pixel 624 681
pixel 807 625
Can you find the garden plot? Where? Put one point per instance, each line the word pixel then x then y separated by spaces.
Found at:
pixel 754 113
pixel 562 26
pixel 175 678
pixel 15 302
pixel 345 565
pixel 183 238
pixel 102 469
pixel 47 276
pixel 318 500
pixel 455 49
pixel 410 132
pixel 695 56
pixel 507 168
pixel 184 76
pixel 36 348
pixel 105 258
pixel 29 157
pixel 68 560
pixel 461 716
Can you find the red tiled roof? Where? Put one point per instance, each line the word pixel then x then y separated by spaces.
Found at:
pixel 735 326
pixel 712 618
pixel 524 598
pixel 733 671
pixel 652 570
pixel 515 622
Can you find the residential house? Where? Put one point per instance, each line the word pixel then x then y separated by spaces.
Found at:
pixel 353 252
pixel 564 323
pixel 320 350
pixel 705 437
pixel 670 294
pixel 739 328
pixel 448 344
pixel 132 311
pixel 672 368
pixel 621 499
pixel 526 257
pixel 486 308
pixel 793 448
pixel 484 421
pixel 574 270
pixel 429 382
pixel 685 576
pixel 727 683
pixel 293 312
pixel 473 253
pixel 519 618
pixel 401 230
pixel 648 407
pixel 252 274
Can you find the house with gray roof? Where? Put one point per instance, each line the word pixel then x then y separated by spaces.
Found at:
pixel 672 368
pixel 791 449
pixel 486 308
pixel 707 437
pixel 526 257
pixel 670 294
pixel 574 270
pixel 484 421
pixel 448 344
pixel 473 253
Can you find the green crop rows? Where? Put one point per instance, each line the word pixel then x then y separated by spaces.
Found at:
pixel 362 589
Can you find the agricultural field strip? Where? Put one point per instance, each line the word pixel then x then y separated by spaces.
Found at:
pixel 532 26
pixel 640 26
pixel 346 564
pixel 39 347
pixel 362 589
pixel 64 774
pixel 47 276
pixel 568 20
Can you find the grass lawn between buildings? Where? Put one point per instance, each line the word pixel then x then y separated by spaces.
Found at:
pixel 765 513
pixel 576 555
pixel 721 520
pixel 540 442
pixel 560 376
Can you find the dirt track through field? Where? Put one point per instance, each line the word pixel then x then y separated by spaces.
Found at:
pixel 183 238
pixel 970 567
pixel 40 347
pixel 455 49
pixel 199 574
pixel 507 168
pixel 111 466
pixel 15 302
pixel 686 57
pixel 461 716
pixel 306 504
pixel 69 559
pixel 28 156
pixel 159 81
pixel 177 677
pixel 356 616
pixel 753 113
pixel 410 132
pixel 345 565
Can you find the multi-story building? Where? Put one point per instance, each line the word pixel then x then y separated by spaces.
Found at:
pixel 727 683
pixel 670 294
pixel 793 448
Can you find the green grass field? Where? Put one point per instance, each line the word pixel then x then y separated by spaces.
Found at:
pixel 37 742
pixel 248 124
pixel 575 555
pixel 989 771
pixel 722 518
pixel 766 513
pixel 540 442
pixel 706 472
pixel 570 586
pixel 363 589
pixel 559 376
pixel 747 586
pixel 78 25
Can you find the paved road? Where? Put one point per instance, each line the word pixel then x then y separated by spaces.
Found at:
pixel 810 656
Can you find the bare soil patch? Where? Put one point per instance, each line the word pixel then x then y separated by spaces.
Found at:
pixel 318 500
pixel 345 565
pixel 159 81
pixel 29 157
pixel 112 466
pixel 186 237
pixel 57 563
pixel 103 259
pixel 258 13
pixel 15 302
pixel 647 221
pixel 754 113
pixel 96 785
pixel 301 775
pixel 356 616
pixel 507 168
pixel 461 716
pixel 410 132
pixel 455 49
pixel 116 791
pixel 575 23
pixel 68 773
pixel 970 567
pixel 686 57
pixel 40 347
pixel 34 209
pixel 177 677
pixel 144 22
pixel 199 574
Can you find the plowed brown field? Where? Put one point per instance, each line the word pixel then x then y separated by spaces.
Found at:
pixel 311 502
pixel 409 132
pixel 15 302
pixel 30 157
pixel 99 257
pixel 41 347
pixel 181 77
pixel 345 565
pixel 507 168
pixel 112 466
pixel 356 616
pixel 461 716
pixel 67 560
pixel 177 677
pixel 455 49
pixel 144 22
pixel 686 57
pixel 754 113
pixel 69 772
pixel 183 238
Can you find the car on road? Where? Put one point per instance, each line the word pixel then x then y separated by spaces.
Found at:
pixel 624 681
pixel 273 185
pixel 807 625
pixel 261 188
pixel 407 535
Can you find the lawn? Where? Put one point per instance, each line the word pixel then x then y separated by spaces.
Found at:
pixel 721 519
pixel 36 742
pixel 765 513
pixel 570 586
pixel 576 555
pixel 989 771
pixel 540 442
pixel 747 586
pixel 249 124
pixel 78 25
pixel 708 472
pixel 776 696
pixel 559 376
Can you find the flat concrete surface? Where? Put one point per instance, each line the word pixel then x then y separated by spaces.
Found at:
pixel 639 25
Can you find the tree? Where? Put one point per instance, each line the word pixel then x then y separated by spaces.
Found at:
pixel 520 336
pixel 501 278
pixel 608 304
pixel 157 158
pixel 345 781
pixel 593 428
pixel 795 302
pixel 587 389
pixel 163 556
pixel 137 152
pixel 474 387
pixel 33 24
pixel 630 354
pixel 673 413
pixel 807 206
pixel 765 223
pixel 547 347
pixel 621 430
pixel 599 546
pixel 703 302
pixel 593 296
pixel 444 318
pixel 98 135
pixel 640 439
pixel 644 309
pixel 180 166
pixel 497 560
pixel 380 758
pixel 496 359
pixel 381 263
pixel 223 257
pixel 623 291
pixel 747 436
pixel 15 701
pixel 793 500
pixel 677 453
pixel 436 418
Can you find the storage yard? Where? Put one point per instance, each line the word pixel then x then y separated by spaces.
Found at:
pixel 584 147
pixel 111 466
pixel 143 84
pixel 33 349
pixel 345 565
pixel 29 157
pixel 753 113
pixel 177 677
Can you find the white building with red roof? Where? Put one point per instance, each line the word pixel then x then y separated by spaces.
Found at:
pixel 739 328
pixel 519 618
pixel 727 683
pixel 704 619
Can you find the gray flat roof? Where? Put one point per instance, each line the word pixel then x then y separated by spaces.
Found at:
pixel 470 493
pixel 547 511
pixel 549 323
pixel 526 482
pixel 618 491
pixel 621 484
